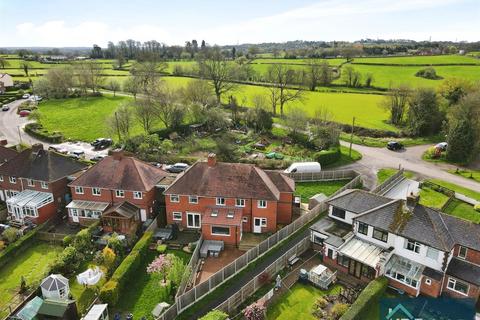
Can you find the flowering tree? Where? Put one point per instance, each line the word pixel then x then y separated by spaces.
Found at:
pixel 160 266
pixel 255 311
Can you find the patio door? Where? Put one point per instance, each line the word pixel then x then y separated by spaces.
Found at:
pixel 355 268
pixel 193 220
pixel 17 211
pixel 257 225
pixel 75 215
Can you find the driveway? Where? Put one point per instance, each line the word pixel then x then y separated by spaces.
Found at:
pixel 410 159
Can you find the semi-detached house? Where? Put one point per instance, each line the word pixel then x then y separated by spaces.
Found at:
pixel 419 249
pixel 224 200
pixel 121 190
pixel 33 183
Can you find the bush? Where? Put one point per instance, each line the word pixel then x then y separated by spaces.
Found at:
pixel 127 269
pixel 109 292
pixel 10 234
pixel 428 73
pixel 161 248
pixel 477 207
pixel 215 315
pixel 339 310
pixel 328 157
pixel 68 240
pixel 36 130
pixel 369 296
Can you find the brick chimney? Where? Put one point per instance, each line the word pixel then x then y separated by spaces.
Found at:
pixel 117 154
pixel 37 147
pixel 412 200
pixel 212 159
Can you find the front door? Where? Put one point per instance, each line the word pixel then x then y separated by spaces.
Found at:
pixel 355 268
pixel 75 216
pixel 193 220
pixel 257 225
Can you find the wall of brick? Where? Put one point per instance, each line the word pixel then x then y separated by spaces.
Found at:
pixel 473 292
pixel 232 239
pixel 284 215
pixel 433 289
pixel 399 285
pixel 472 255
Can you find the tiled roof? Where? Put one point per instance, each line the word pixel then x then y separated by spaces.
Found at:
pixel 357 201
pixel 222 216
pixel 40 164
pixel 121 173
pixel 464 271
pixel 6 154
pixel 125 209
pixel 230 180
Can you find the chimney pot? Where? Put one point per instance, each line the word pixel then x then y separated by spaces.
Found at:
pixel 37 147
pixel 212 159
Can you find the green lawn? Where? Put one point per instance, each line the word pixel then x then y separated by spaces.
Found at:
pixel 333 62
pixel 82 118
pixel 144 292
pixel 298 302
pixel 32 264
pixel 420 60
pixel 309 189
pixel 432 198
pixel 462 210
pixel 385 173
pixel 469 193
pixel 467 173
pixel 389 76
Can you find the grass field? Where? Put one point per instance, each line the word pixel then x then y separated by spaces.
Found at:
pixel 390 76
pixel 32 264
pixel 431 198
pixel 462 210
pixel 332 62
pixel 308 189
pixel 144 292
pixel 298 302
pixel 469 174
pixel 385 173
pixel 82 118
pixel 420 60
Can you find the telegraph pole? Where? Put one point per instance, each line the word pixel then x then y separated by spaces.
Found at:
pixel 351 138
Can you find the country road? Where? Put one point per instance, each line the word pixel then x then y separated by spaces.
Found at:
pixel 11 125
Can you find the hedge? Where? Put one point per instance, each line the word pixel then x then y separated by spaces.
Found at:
pixel 368 298
pixel 327 157
pixel 125 272
pixel 36 130
pixel 19 246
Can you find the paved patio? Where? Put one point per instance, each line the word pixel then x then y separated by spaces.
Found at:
pixel 212 265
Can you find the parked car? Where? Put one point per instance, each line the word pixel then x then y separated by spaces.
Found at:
pixel 24 113
pixel 97 158
pixel 101 143
pixel 5 107
pixel 442 146
pixel 78 154
pixel 36 98
pixel 177 167
pixel 26 96
pixel 304 167
pixel 394 146
pixel 58 149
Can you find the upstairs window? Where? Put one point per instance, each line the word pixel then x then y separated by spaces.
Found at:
pixel 339 213
pixel 433 253
pixel 137 195
pixel 262 203
pixel 240 203
pixel 44 185
pixel 220 201
pixel 363 228
pixel 193 199
pixel 96 191
pixel 412 246
pixel 30 183
pixel 79 190
pixel 12 180
pixel 380 235
pixel 120 193
pixel 174 198
pixel 1 178
pixel 462 252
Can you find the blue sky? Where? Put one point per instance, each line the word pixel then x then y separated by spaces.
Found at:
pixel 85 22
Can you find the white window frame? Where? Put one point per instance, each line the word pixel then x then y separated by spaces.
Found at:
pixel 199 220
pixel 12 180
pixel 30 183
pixel 429 255
pixel 177 218
pixel 174 198
pixel 260 204
pixel 219 234
pixel 95 193
pixel 230 214
pixel 79 190
pixel 263 222
pixel 416 246
pixel 193 199
pixel 466 252
pixel 137 195
pixel 120 193
pixel 44 185
pixel 240 203
pixel 214 213
pixel 220 201
pixel 454 282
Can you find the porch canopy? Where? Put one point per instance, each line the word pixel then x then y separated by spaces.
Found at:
pixel 31 199
pixel 362 251
pixel 88 205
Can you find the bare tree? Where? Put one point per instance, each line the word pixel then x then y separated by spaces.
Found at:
pixel 280 77
pixel 214 66
pixel 25 67
pixel 132 86
pixel 113 85
pixel 296 120
pixel 396 103
pixel 316 74
pixel 168 108
pixel 121 121
pixel 4 62
pixel 198 92
pixel 146 113
pixel 89 75
pixel 351 77
pixel 56 83
pixel 148 73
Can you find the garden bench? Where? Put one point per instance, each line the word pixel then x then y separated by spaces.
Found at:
pixel 292 260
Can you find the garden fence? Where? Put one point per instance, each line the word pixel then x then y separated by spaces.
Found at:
pixel 389 183
pixel 323 175
pixel 194 294
pixel 191 267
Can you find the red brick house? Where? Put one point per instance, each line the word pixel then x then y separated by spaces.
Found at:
pixel 6 154
pixel 226 199
pixel 33 183
pixel 112 186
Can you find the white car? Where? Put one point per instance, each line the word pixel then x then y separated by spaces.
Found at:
pixel 177 167
pixel 442 146
pixel 36 98
pixel 26 96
